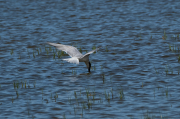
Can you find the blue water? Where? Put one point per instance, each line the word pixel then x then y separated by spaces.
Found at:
pixel 134 75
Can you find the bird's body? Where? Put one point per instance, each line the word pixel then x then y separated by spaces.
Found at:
pixel 75 55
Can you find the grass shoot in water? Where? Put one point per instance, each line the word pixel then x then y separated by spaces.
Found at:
pixel 166 70
pixel 166 91
pixel 107 49
pixel 93 48
pixel 165 36
pixel 178 58
pixel 37 51
pixel 121 94
pixel 11 51
pixel 80 50
pixel 103 77
pixel 54 55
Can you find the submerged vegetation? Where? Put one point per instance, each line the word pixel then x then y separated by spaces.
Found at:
pixel 49 51
pixel 82 101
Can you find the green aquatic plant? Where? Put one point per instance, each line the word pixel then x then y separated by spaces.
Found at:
pixel 69 99
pixel 25 84
pixel 42 91
pixel 171 71
pixel 151 37
pixel 45 48
pixel 74 110
pixel 121 92
pixel 169 47
pixel 112 92
pixel 28 86
pixel 62 53
pixel 107 49
pixel 55 97
pixel 107 96
pixel 59 54
pixel 166 70
pixel 178 58
pixel 28 52
pixel 28 112
pixel 80 92
pixel 166 91
pixel 50 49
pixel 93 95
pixel 80 50
pixel 51 96
pixel 34 83
pixel 103 77
pixel 174 48
pixel 37 50
pixel 83 105
pixel 94 47
pixel 47 52
pixel 17 94
pixel 148 116
pixel 54 56
pixel 82 112
pixel 156 70
pixel 33 116
pixel 16 84
pixel 93 68
pixel 74 72
pixel 172 37
pixel 165 36
pixel 101 67
pixel 11 51
pixel 64 116
pixel 87 93
pixel 34 54
pixel 140 36
pixel 19 56
pixel 75 94
pixel 89 105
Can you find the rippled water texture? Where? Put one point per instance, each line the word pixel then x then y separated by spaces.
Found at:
pixel 134 75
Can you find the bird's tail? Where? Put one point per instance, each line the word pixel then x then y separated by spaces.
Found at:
pixel 72 60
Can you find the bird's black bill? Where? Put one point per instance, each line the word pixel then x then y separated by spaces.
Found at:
pixel 89 67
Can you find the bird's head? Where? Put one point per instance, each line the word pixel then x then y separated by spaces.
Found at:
pixel 89 68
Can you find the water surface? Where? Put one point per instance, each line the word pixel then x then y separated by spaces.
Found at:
pixel 134 75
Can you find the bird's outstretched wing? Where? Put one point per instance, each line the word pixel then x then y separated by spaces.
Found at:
pixel 70 50
pixel 91 52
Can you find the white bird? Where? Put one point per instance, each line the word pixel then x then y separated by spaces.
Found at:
pixel 75 55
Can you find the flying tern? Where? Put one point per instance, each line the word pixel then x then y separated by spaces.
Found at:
pixel 75 55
